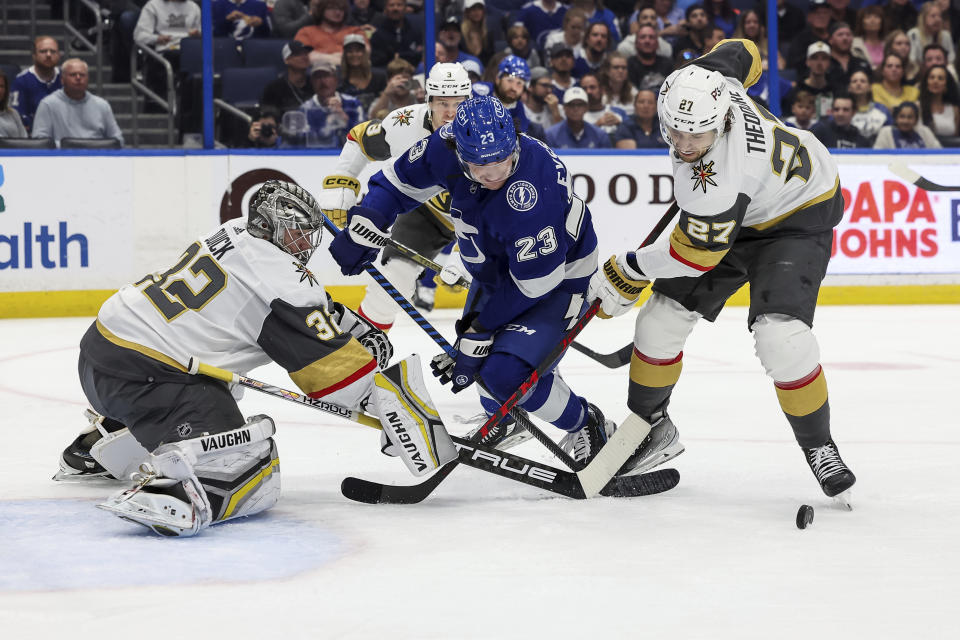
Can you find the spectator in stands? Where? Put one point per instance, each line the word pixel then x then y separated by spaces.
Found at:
pixel 473 69
pixel 363 14
pixel 697 24
pixel 722 15
pixel 898 43
pixel 843 61
pixel 573 132
pixel 74 112
pixel 399 92
pixel 815 82
pixel 868 116
pixel 869 32
pixel 329 114
pixel 36 83
pixel 161 26
pixel 642 129
pixel 713 37
pixel 240 19
pixel 397 34
pixel 929 30
pixel 836 131
pixel 900 14
pixel 803 113
pixel 292 88
pixel 330 28
pixel 891 90
pixel 478 36
pixel 360 79
pixel 540 17
pixel 540 103
pixel 906 132
pixel 599 114
pixel 571 34
pixel 448 45
pixel 520 45
pixel 617 90
pixel 123 20
pixel 10 124
pixel 560 56
pixel 669 18
pixel 940 102
pixel 645 68
pixel 289 16
pixel 594 11
pixel 264 132
pixel 596 44
pixel 840 11
pixel 818 19
pixel 790 20
pixel 646 15
pixel 751 27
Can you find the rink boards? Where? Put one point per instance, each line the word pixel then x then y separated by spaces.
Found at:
pixel 74 228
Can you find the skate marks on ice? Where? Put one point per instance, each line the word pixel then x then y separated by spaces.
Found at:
pixel 67 544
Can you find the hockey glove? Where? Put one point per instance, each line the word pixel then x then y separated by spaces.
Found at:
pixel 617 284
pixel 472 346
pixel 370 337
pixel 339 195
pixel 358 245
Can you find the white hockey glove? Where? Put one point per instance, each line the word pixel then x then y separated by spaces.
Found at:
pixel 370 337
pixel 618 285
pixel 339 194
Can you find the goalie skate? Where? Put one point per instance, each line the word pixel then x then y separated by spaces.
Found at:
pixel 76 462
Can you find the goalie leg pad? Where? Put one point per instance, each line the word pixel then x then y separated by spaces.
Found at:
pixel 410 419
pixel 119 453
pixel 189 485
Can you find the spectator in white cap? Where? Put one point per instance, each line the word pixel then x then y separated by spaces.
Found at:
pixel 478 34
pixel 574 132
pixel 815 83
pixel 360 79
pixel 292 88
pixel 329 114
pixel 539 101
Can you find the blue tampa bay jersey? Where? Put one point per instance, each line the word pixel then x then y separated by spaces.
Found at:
pixel 521 242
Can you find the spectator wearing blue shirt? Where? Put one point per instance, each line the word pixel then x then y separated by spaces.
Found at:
pixel 329 114
pixel 540 17
pixel 561 68
pixel 598 14
pixel 36 83
pixel 240 19
pixel 642 129
pixel 447 48
pixel 574 132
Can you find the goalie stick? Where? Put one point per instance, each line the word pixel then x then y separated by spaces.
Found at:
pixel 470 453
pixel 911 176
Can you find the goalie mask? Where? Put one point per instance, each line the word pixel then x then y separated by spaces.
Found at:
pixel 287 216
pixel 693 101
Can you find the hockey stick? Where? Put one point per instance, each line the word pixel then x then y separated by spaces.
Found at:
pixel 621 356
pixel 903 171
pixel 613 360
pixel 472 454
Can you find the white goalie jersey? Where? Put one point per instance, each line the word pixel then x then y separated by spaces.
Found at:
pixel 757 175
pixel 238 302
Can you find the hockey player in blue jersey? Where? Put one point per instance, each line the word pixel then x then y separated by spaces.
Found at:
pixel 525 238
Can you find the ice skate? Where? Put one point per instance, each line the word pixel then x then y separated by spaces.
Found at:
pixel 834 476
pixel 76 461
pixel 585 443
pixel 504 435
pixel 661 444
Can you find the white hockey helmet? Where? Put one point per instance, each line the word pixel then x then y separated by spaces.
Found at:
pixel 693 100
pixel 448 79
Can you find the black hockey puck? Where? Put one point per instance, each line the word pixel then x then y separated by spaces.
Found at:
pixel 804 516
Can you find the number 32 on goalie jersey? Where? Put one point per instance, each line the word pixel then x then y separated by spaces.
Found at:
pixel 170 292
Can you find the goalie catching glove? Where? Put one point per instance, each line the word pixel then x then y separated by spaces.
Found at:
pixel 359 243
pixel 339 195
pixel 618 284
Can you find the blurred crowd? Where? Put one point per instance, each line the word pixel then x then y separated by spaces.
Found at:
pixel 857 73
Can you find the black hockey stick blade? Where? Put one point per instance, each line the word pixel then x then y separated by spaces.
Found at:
pixel 644 484
pixel 370 492
pixel 911 176
pixel 613 360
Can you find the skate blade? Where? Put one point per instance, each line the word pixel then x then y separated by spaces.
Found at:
pixel 654 461
pixel 844 500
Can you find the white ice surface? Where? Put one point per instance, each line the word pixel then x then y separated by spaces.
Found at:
pixel 717 557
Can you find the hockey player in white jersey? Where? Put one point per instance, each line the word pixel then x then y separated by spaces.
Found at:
pixel 428 229
pixel 758 202
pixel 238 298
